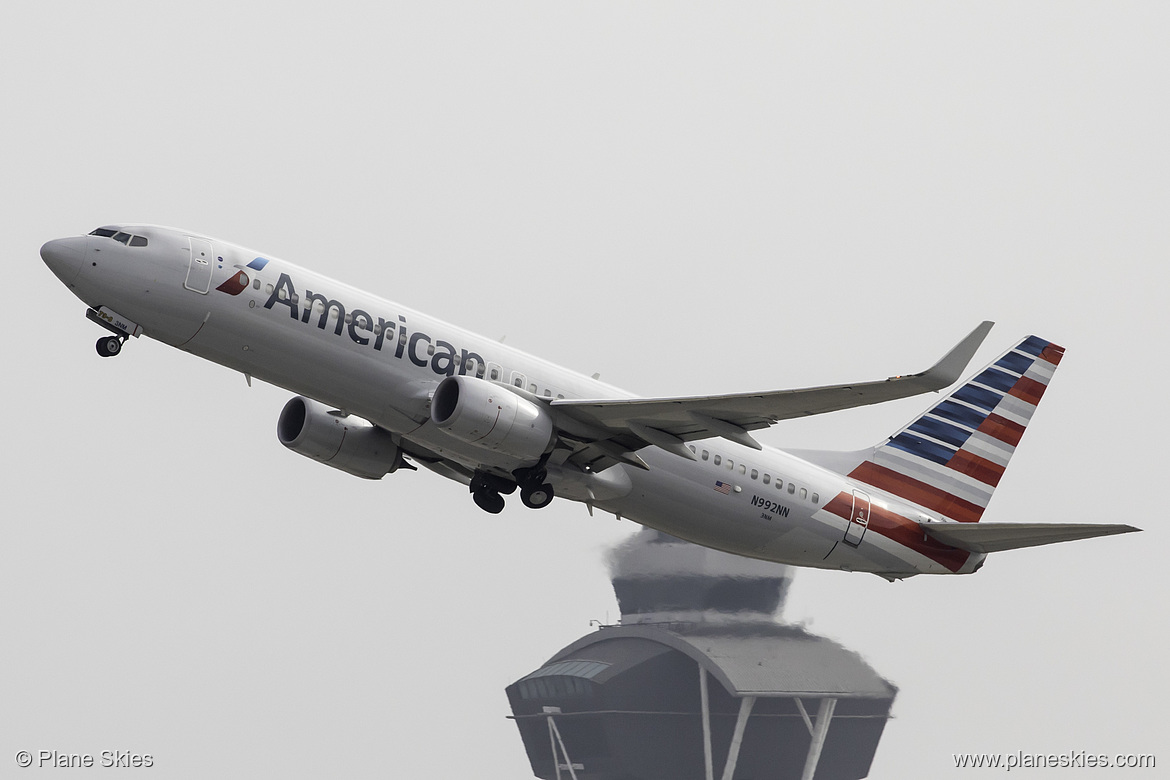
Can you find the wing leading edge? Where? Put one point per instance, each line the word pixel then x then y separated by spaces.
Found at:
pixel 612 429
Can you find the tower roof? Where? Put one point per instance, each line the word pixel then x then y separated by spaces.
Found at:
pixel 756 660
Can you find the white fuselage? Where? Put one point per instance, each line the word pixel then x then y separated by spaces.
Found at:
pixel 381 361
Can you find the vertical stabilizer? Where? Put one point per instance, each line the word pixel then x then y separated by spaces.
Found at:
pixel 950 459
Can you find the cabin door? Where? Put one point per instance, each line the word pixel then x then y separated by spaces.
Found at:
pixel 201 263
pixel 858 519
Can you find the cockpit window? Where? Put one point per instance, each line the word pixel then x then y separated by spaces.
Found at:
pixel 119 235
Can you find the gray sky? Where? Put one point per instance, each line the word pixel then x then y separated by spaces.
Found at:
pixel 685 198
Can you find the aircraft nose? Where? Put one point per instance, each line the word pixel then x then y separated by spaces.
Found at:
pixel 64 257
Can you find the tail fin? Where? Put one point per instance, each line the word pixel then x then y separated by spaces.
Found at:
pixel 951 458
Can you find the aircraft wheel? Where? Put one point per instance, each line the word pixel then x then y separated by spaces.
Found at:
pixel 489 501
pixel 537 497
pixel 109 346
pixel 502 486
pixel 497 484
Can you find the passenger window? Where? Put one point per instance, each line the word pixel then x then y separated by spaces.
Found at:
pixel 137 241
pixel 256 284
pixel 430 349
pixel 495 373
pixel 767 479
pixel 532 388
pixel 519 382
pixel 691 447
pixel 730 464
pixel 705 453
pixel 377 330
pixel 718 460
pixel 270 288
pixel 803 494
pixel 779 483
pixel 791 488
pixel 349 318
pixel 742 469
pixel 816 498
pixel 123 237
pixel 755 474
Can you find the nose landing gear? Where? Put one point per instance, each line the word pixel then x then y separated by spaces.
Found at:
pixel 122 328
pixel 109 346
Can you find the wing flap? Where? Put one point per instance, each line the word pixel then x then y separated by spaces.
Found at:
pixel 996 537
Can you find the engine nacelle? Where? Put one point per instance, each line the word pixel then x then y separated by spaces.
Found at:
pixel 493 417
pixel 349 443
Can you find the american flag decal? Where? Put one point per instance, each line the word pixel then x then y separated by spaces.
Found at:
pixel 722 487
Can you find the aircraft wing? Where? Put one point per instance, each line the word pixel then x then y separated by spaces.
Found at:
pixel 994 537
pixel 611 429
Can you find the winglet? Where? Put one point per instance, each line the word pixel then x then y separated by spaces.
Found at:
pixel 948 370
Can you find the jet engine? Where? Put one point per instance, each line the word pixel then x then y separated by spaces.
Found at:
pixel 493 417
pixel 344 442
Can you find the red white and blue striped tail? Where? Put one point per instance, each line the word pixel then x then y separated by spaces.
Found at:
pixel 950 459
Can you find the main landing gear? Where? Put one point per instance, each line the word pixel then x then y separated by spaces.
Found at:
pixel 535 493
pixel 488 500
pixel 109 346
pixel 486 489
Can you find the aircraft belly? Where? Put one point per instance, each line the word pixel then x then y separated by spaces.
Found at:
pixel 153 302
pixel 802 544
pixel 672 504
pixel 687 500
pixel 874 554
pixel 466 454
pixel 312 364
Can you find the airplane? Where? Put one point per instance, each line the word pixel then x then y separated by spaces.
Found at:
pixel 379 388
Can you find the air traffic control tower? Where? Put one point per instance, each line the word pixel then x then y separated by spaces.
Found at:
pixel 698 681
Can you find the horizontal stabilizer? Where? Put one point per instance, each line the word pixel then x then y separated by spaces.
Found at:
pixel 994 537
